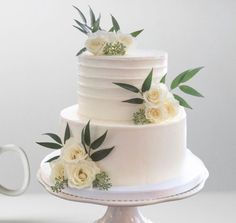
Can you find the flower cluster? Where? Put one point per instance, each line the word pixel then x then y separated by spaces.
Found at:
pixel 100 41
pixel 76 166
pixel 159 104
pixel 108 43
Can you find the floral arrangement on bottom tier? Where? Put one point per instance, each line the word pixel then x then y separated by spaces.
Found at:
pixel 76 166
pixel 158 102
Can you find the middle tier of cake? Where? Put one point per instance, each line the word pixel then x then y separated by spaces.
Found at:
pixel 145 154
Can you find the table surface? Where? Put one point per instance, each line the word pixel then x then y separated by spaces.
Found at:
pixel 44 208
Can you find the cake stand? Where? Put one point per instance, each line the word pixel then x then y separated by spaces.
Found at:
pixel 123 202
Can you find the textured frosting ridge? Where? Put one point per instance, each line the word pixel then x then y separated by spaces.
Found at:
pixel 99 98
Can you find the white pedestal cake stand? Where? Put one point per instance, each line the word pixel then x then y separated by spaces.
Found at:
pixel 123 202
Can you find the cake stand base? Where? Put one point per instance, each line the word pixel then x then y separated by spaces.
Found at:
pixel 123 215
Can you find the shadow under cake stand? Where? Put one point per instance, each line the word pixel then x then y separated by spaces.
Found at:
pixel 123 202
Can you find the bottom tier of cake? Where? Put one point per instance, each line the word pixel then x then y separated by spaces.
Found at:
pixel 145 154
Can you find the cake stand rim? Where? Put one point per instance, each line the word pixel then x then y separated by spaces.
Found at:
pixel 133 200
pixel 125 203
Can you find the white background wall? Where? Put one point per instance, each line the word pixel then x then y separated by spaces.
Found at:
pixel 38 71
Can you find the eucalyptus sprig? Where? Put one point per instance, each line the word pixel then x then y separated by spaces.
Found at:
pixel 102 181
pixel 59 185
pixel 178 83
pixel 139 117
pixel 94 25
pixel 145 87
pixel 91 147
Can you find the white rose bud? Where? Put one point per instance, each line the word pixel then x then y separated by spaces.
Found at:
pixel 82 174
pixel 156 94
pixel 125 39
pixel 111 37
pixel 95 42
pixel 171 105
pixel 156 114
pixel 73 151
pixel 57 170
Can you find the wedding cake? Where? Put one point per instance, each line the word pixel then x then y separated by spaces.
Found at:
pixel 128 128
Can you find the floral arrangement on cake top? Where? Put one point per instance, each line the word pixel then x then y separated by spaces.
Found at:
pixel 76 166
pixel 159 103
pixel 100 41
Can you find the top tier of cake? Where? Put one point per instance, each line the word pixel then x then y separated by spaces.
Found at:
pixel 99 98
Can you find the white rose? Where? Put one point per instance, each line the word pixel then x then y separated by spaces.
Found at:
pixel 125 39
pixel 82 174
pixel 111 37
pixel 171 105
pixel 57 170
pixel 156 114
pixel 73 151
pixel 156 94
pixel 95 42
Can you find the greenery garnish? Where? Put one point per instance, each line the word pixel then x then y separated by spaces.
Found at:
pixel 59 185
pixel 52 159
pixel 115 48
pixel 176 83
pixel 88 145
pixel 91 147
pixel 145 87
pixel 95 25
pixel 182 78
pixel 139 117
pixel 58 141
pixel 102 181
pixel 163 79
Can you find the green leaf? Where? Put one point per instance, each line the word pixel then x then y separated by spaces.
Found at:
pixel 136 33
pixel 182 102
pixel 147 82
pixel 190 74
pixel 134 101
pixel 128 87
pixel 82 139
pixel 96 24
pixel 50 145
pixel 189 90
pixel 184 76
pixel 87 137
pixel 67 133
pixel 81 30
pixel 99 141
pixel 92 16
pixel 81 51
pixel 81 14
pixel 54 136
pixel 175 83
pixel 52 159
pixel 101 154
pixel 163 79
pixel 115 23
pixel 112 29
pixel 82 26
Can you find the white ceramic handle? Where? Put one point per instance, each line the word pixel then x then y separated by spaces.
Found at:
pixel 26 169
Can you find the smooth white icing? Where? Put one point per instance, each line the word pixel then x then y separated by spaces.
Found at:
pixel 99 98
pixel 143 154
